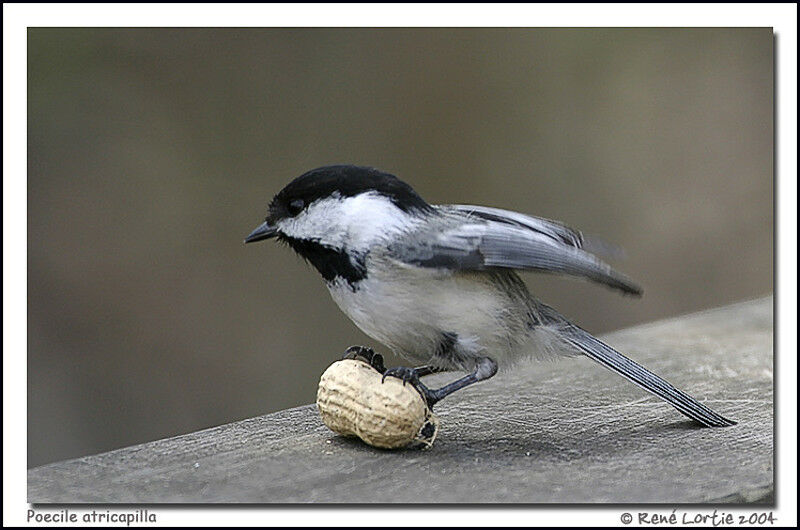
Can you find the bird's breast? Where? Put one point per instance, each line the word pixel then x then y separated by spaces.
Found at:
pixel 410 309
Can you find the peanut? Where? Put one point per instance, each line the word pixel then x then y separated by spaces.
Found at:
pixel 353 401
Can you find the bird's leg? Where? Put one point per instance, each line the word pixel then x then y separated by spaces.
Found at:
pixel 368 355
pixel 427 369
pixel 486 368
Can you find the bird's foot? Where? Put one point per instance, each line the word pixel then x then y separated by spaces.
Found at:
pixel 404 373
pixel 410 375
pixel 368 355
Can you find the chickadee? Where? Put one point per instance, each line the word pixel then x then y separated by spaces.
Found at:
pixel 437 283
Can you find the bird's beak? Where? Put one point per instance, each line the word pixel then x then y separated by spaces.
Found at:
pixel 262 231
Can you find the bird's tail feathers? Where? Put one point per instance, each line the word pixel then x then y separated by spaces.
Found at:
pixel 613 360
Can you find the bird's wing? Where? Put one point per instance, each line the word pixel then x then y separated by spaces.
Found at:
pixel 481 238
pixel 554 229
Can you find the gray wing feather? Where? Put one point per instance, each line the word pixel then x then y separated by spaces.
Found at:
pixel 480 238
pixel 554 229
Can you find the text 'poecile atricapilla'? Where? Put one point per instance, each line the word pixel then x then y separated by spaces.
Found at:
pixel 437 283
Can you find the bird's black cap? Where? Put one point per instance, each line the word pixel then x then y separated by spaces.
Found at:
pixel 346 181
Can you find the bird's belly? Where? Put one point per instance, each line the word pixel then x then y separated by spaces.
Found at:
pixel 411 310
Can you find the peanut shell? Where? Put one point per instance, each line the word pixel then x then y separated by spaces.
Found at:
pixel 353 401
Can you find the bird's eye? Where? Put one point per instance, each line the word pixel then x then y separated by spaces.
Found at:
pixel 296 206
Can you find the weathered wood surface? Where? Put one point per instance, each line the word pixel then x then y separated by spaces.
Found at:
pixel 564 432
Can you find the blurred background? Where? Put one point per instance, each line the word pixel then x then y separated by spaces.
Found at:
pixel 153 152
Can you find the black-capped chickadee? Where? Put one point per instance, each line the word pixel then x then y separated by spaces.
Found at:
pixel 437 283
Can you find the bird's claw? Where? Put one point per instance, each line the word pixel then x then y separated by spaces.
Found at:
pixel 404 373
pixel 410 375
pixel 368 355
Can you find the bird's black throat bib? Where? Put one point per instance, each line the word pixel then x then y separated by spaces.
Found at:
pixel 330 262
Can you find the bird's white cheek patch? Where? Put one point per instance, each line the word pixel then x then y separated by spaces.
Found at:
pixel 319 223
pixel 353 223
